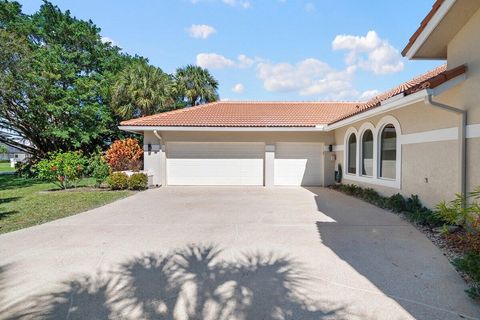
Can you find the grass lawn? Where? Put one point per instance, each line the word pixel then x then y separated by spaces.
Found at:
pixel 27 202
pixel 5 166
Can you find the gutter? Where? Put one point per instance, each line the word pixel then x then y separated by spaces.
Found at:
pixel 462 136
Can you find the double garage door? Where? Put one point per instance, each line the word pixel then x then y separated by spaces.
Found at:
pixel 239 163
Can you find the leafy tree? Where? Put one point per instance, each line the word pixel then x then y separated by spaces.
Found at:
pixel 55 79
pixel 141 90
pixel 194 85
pixel 3 149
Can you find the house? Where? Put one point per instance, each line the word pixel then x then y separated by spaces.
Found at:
pixel 422 137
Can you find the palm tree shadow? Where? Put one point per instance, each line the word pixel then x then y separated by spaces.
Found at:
pixel 190 283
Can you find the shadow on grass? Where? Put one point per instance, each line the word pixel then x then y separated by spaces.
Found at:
pixel 4 214
pixel 191 283
pixel 11 181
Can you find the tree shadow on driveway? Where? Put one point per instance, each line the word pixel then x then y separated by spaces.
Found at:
pixel 189 283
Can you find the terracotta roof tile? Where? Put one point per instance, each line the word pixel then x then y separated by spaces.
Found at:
pixel 286 114
pixel 422 26
pixel 249 114
pixel 430 79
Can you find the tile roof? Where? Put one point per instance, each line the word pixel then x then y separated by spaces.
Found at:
pixel 428 80
pixel 286 114
pixel 422 26
pixel 249 114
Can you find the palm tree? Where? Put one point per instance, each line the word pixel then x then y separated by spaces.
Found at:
pixel 195 85
pixel 142 89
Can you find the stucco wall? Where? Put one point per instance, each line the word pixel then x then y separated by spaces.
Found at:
pixel 427 169
pixel 465 48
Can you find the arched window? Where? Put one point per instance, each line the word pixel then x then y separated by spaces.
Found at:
pixel 388 152
pixel 367 153
pixel 352 154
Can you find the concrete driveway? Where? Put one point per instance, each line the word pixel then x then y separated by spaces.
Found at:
pixel 229 253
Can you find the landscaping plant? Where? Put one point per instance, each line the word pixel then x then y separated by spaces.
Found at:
pixel 65 169
pixel 118 181
pixel 138 181
pixel 98 169
pixel 470 264
pixel 125 155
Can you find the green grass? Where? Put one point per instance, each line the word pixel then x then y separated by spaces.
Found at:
pixel 27 202
pixel 5 166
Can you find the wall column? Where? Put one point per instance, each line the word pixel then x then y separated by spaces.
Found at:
pixel 163 164
pixel 269 164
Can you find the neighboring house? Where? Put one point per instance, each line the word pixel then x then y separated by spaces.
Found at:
pixel 422 137
pixel 13 153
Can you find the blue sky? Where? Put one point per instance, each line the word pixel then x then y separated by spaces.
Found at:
pixel 269 49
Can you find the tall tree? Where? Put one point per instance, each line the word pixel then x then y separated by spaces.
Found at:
pixel 141 90
pixel 55 79
pixel 195 85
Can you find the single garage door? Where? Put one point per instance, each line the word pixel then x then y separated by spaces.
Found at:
pixel 199 163
pixel 298 164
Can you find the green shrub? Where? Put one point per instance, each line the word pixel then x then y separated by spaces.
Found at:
pixel 396 203
pixel 26 169
pixel 138 181
pixel 65 169
pixel 470 264
pixel 98 169
pixel 462 211
pixel 118 181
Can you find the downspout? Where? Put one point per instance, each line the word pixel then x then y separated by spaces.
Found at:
pixel 462 135
pixel 155 132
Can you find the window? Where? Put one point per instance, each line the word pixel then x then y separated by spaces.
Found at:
pixel 388 152
pixel 367 153
pixel 352 154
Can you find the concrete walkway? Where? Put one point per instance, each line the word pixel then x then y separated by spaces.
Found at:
pixel 229 253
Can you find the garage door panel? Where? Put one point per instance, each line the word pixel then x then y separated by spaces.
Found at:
pixel 215 163
pixel 298 164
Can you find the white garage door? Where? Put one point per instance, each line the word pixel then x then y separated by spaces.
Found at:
pixel 198 163
pixel 298 164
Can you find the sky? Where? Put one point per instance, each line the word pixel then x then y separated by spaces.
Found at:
pixel 275 50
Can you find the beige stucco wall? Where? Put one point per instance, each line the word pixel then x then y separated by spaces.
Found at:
pixel 428 169
pixel 465 49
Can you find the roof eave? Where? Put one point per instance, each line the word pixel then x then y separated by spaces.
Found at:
pixel 136 129
pixel 412 47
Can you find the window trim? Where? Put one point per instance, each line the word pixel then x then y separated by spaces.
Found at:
pixel 348 133
pixel 364 128
pixel 376 131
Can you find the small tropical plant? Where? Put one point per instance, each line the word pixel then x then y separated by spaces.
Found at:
pixel 118 181
pixel 98 169
pixel 138 181
pixel 463 211
pixel 65 169
pixel 125 155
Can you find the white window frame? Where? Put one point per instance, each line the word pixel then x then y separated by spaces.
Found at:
pixel 367 126
pixel 376 131
pixel 348 133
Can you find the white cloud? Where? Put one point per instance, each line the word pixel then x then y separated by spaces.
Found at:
pixel 238 88
pixel 244 61
pixel 108 40
pixel 213 61
pixel 369 94
pixel 201 31
pixel 308 77
pixel 234 3
pixel 370 53
pixel 310 7
pixel 217 61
